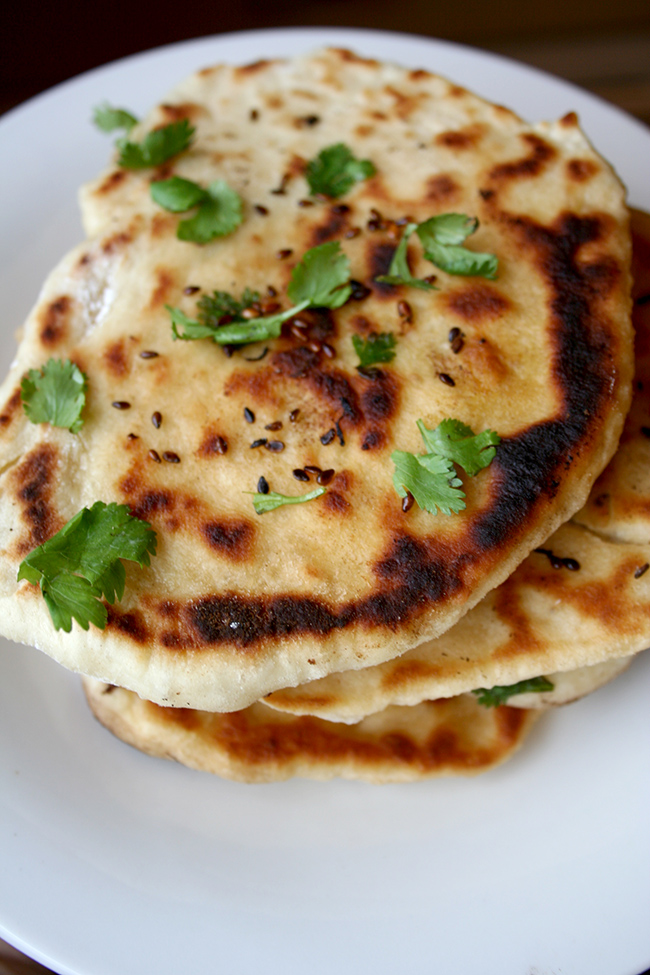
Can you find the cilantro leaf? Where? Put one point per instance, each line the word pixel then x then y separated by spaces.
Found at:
pixel 375 348
pixel 82 563
pixel 431 480
pixel 268 502
pixel 442 238
pixel 455 440
pixel 399 271
pixel 218 215
pixel 219 207
pixel 317 281
pixel 447 229
pixel 192 329
pixel 238 332
pixel 176 194
pixel 431 477
pixel 321 277
pixel 492 697
pixel 335 170
pixel 108 119
pixel 55 394
pixel 156 147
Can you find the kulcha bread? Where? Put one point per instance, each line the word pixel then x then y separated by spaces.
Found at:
pixel 235 604
pixel 551 616
pixel 377 724
pixel 446 737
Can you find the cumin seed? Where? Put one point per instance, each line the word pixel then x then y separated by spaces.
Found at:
pixel 408 501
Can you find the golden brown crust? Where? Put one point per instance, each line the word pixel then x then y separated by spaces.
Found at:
pixel 578 601
pixel 452 737
pixel 349 579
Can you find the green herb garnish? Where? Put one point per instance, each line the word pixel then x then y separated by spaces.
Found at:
pixel 320 280
pixel 55 394
pixel 399 271
pixel 455 440
pixel 213 308
pixel 109 119
pixel 82 563
pixel 494 696
pixel 375 348
pixel 442 238
pixel 335 170
pixel 176 194
pixel 240 332
pixel 268 502
pixel 156 147
pixel 431 478
pixel 219 207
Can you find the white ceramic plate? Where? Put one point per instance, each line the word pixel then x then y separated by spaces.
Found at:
pixel 112 863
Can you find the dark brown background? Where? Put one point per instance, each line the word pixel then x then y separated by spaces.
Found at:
pixel 602 45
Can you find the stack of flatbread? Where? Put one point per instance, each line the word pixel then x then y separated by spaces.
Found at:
pixel 345 633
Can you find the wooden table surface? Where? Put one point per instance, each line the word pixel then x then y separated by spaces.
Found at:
pixel 600 46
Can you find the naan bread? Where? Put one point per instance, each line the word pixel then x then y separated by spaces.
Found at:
pixel 451 737
pixel 619 505
pixel 238 605
pixel 547 618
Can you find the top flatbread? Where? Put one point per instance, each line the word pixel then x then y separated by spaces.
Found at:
pixel 550 616
pixel 237 605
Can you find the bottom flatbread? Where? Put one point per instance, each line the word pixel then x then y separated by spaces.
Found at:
pixel 400 744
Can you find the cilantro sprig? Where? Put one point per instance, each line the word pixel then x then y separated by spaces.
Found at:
pixel 157 146
pixel 56 394
pixel 492 697
pixel 399 271
pixel 110 119
pixel 442 240
pixel 335 170
pixel 82 563
pixel 319 280
pixel 456 441
pixel 269 502
pixel 443 237
pixel 219 207
pixel 431 477
pixel 375 348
